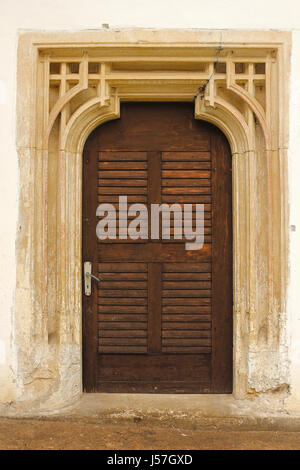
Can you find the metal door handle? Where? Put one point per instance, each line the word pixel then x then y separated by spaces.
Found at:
pixel 88 276
pixel 94 277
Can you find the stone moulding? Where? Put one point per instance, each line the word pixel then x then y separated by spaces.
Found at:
pixel 68 84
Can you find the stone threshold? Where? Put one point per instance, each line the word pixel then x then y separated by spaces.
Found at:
pixel 209 412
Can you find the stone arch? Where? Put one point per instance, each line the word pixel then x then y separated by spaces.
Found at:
pixel 229 121
pixel 91 114
pixel 85 120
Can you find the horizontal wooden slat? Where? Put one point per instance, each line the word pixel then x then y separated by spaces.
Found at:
pixel 123 182
pixel 122 285
pixel 186 199
pixel 182 182
pixel 124 325
pixel 186 333
pixel 185 174
pixel 122 301
pixel 182 190
pixel 120 318
pixel 188 156
pixel 186 285
pixel 124 276
pixel 200 309
pixel 190 350
pixel 120 156
pixel 124 174
pixel 189 216
pixel 122 309
pixel 175 224
pixel 207 207
pixel 113 165
pixel 131 199
pixel 122 191
pixel 113 241
pixel 121 232
pixel 185 301
pixel 122 333
pixel 190 326
pixel 122 341
pixel 191 221
pixel 185 318
pixel 186 342
pixel 186 165
pixel 143 212
pixel 103 293
pixel 173 230
pixel 123 349
pixel 186 276
pixel 186 293
pixel 167 239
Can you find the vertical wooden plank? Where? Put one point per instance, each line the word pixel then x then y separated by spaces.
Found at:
pixel 154 307
pixel 222 296
pixel 89 253
pixel 154 177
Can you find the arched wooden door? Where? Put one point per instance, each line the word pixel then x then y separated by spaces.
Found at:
pixel 160 319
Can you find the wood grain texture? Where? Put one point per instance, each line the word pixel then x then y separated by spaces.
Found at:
pixel 222 295
pixel 161 316
pixel 89 304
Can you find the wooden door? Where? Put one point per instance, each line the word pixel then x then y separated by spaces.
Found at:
pixel 160 319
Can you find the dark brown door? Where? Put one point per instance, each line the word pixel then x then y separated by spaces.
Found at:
pixel 160 319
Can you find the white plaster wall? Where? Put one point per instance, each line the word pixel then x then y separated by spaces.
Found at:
pixel 16 15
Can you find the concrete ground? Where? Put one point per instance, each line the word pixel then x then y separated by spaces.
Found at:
pixel 153 422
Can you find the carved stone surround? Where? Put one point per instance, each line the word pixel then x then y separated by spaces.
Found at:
pixel 69 83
